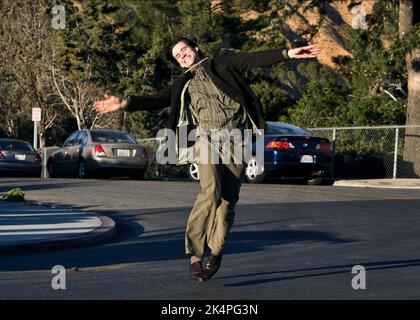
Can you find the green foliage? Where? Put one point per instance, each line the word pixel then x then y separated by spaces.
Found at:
pixel 14 195
pixel 273 100
pixel 257 5
pixel 362 164
pixel 321 105
pixel 212 30
pixel 375 110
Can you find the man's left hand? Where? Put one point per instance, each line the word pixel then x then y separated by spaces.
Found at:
pixel 304 52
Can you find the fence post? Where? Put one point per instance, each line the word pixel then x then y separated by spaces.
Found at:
pixel 44 163
pixel 333 139
pixel 394 174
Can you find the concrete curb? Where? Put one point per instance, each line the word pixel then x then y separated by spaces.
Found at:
pixel 105 232
pixel 380 183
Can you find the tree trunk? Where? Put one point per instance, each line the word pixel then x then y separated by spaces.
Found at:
pixel 407 18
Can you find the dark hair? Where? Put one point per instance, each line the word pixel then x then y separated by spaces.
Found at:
pixel 174 42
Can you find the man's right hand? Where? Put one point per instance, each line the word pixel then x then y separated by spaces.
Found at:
pixel 110 104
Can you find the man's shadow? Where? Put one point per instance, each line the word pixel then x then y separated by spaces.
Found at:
pixel 277 276
pixel 133 245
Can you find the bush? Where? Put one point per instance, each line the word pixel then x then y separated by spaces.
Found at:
pixel 358 164
pixel 322 105
pixel 14 195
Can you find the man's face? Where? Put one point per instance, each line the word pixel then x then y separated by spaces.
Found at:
pixel 185 55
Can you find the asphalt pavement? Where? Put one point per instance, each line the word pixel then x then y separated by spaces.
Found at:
pixel 289 241
pixel 29 226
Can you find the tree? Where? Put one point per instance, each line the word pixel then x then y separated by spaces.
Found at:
pixel 409 30
pixel 322 104
pixel 84 60
pixel 372 72
pixel 215 27
pixel 26 44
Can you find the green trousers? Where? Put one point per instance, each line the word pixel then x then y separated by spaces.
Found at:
pixel 213 213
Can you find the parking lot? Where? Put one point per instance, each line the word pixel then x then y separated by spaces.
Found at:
pixel 289 242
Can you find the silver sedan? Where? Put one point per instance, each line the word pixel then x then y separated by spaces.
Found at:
pixel 111 152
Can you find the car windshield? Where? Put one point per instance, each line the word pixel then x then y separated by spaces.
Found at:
pixel 283 128
pixel 112 136
pixel 15 146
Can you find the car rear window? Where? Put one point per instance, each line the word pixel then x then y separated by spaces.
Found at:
pixel 15 146
pixel 110 136
pixel 286 129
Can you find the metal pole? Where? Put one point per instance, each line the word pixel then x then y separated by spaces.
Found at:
pixel 394 174
pixel 35 135
pixel 333 139
pixel 44 163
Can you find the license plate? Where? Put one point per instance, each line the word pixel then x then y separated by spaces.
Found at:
pixel 123 153
pixel 307 159
pixel 20 157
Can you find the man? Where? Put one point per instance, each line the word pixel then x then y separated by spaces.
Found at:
pixel 216 96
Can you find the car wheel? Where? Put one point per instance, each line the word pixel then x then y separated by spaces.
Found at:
pixel 83 171
pixel 51 170
pixel 254 171
pixel 313 181
pixel 193 172
pixel 316 180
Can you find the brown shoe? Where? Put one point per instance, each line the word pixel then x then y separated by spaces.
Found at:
pixel 212 265
pixel 196 272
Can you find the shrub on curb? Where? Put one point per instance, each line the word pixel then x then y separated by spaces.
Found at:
pixel 14 195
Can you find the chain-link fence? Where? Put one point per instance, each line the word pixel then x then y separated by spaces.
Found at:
pixel 375 152
pixel 160 171
pixel 360 152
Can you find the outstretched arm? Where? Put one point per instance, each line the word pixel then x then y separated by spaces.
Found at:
pixel 133 103
pixel 244 61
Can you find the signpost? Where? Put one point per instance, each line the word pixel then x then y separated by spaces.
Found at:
pixel 36 117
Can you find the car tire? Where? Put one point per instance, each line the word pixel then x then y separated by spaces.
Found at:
pixel 254 172
pixel 82 172
pixel 325 180
pixel 193 172
pixel 51 169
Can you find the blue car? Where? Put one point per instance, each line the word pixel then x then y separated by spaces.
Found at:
pixel 289 152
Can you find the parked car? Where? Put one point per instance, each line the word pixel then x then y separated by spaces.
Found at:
pixel 18 157
pixel 289 152
pixel 88 152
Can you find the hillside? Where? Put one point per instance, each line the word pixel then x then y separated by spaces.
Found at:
pixel 331 35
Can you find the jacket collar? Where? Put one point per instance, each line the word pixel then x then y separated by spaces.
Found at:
pixel 195 65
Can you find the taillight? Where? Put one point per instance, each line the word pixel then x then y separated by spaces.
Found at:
pixel 1 154
pixel 280 145
pixel 324 147
pixel 37 157
pixel 99 151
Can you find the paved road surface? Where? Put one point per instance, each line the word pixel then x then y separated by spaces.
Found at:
pixel 289 242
